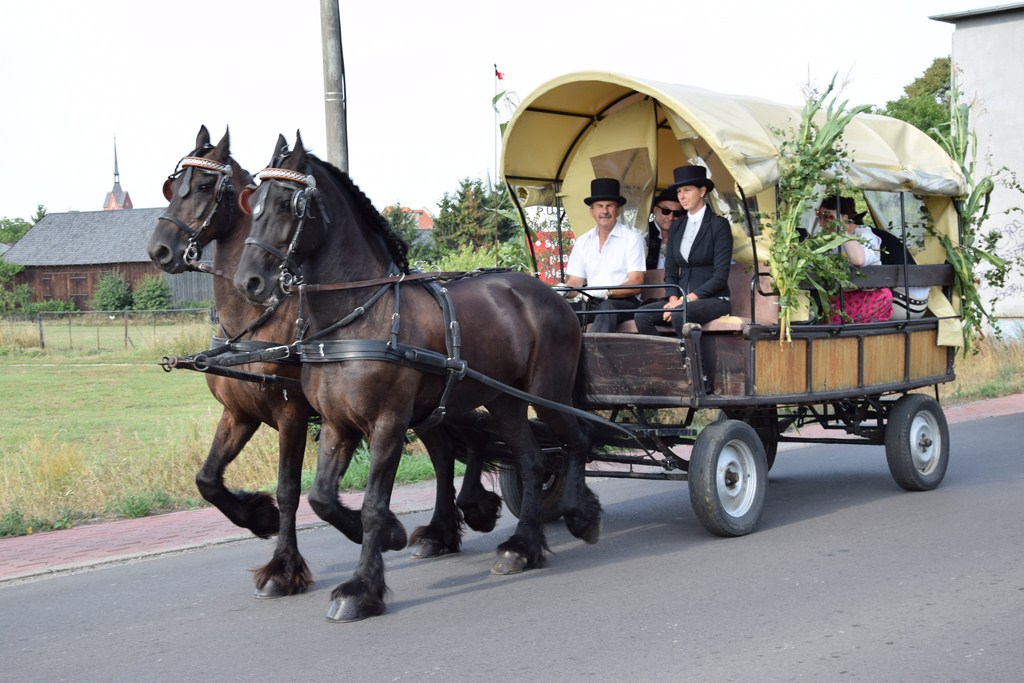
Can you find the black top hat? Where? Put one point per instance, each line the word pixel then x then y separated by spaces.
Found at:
pixel 604 190
pixel 691 175
pixel 668 195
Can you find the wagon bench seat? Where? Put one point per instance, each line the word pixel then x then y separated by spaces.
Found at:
pixel 765 310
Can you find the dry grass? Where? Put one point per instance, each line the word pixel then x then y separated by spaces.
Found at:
pixel 997 369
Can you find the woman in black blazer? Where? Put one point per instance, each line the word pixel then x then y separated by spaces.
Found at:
pixel 697 259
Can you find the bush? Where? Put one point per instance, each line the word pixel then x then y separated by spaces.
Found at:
pixel 51 306
pixel 152 294
pixel 112 294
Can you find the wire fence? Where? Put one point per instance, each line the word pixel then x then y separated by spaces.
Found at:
pixel 84 331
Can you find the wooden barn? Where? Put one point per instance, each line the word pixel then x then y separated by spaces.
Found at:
pixel 66 254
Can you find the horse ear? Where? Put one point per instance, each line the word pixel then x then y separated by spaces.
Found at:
pixel 223 148
pixel 243 199
pixel 280 150
pixel 168 193
pixel 203 138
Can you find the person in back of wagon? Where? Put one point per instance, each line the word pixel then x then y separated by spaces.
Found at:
pixel 665 210
pixel 863 250
pixel 607 256
pixel 697 259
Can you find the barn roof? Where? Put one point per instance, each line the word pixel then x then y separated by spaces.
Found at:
pixel 80 238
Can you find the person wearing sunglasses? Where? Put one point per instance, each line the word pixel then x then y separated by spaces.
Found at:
pixel 862 250
pixel 697 258
pixel 664 212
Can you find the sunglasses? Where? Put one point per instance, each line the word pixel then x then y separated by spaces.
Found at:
pixel 665 212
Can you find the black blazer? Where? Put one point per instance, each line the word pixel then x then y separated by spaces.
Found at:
pixel 653 245
pixel 706 273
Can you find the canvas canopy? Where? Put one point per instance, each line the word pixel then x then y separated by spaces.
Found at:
pixel 592 124
pixel 586 125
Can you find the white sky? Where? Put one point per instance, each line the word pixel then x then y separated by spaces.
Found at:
pixel 419 78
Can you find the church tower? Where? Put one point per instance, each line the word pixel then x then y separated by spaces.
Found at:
pixel 116 198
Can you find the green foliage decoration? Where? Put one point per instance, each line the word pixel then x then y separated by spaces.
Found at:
pixel 974 258
pixel 811 157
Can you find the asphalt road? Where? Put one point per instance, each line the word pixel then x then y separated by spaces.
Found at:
pixel 847 578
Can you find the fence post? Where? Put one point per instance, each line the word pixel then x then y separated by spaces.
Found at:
pixel 39 322
pixel 126 329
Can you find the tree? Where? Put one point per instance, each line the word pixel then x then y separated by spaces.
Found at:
pixel 925 102
pixel 151 294
pixel 474 217
pixel 112 294
pixel 40 214
pixel 13 229
pixel 12 297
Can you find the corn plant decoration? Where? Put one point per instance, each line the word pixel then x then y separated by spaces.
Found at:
pixel 976 249
pixel 811 158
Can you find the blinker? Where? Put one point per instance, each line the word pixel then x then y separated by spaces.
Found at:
pixel 186 182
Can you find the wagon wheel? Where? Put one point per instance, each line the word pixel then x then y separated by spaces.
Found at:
pixel 728 478
pixel 917 442
pixel 555 468
pixel 765 421
pixel 551 489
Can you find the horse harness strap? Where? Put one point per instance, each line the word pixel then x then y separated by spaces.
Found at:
pixel 426 360
pixel 225 190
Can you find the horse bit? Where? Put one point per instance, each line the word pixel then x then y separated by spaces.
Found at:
pixel 225 190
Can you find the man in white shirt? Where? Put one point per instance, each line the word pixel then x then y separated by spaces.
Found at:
pixel 609 255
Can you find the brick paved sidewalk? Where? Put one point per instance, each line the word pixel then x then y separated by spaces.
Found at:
pixel 66 550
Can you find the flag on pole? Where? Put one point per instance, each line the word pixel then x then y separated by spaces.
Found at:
pixel 500 76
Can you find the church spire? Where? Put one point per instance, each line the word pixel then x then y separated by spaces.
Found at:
pixel 117 198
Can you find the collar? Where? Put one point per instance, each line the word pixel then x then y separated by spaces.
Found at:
pixel 697 217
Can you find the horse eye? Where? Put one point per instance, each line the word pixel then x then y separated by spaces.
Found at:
pixel 205 187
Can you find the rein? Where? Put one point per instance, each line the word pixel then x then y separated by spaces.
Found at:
pixel 225 190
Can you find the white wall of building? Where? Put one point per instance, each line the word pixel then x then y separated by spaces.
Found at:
pixel 988 53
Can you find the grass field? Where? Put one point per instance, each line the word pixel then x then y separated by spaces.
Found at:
pixel 89 435
pixel 92 434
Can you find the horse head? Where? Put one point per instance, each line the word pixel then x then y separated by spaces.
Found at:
pixel 309 221
pixel 201 192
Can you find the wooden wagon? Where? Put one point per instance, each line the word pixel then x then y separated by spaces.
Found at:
pixel 867 382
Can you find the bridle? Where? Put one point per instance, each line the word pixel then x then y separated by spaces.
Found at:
pixel 304 195
pixel 224 191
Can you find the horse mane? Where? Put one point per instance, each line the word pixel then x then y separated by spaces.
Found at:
pixel 396 246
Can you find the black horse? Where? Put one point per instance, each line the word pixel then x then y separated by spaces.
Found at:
pixel 387 349
pixel 203 193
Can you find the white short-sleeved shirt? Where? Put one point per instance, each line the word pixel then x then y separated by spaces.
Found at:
pixel 623 253
pixel 872 250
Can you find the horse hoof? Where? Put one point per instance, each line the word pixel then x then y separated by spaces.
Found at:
pixel 271 589
pixel 509 562
pixel 348 609
pixel 592 534
pixel 428 549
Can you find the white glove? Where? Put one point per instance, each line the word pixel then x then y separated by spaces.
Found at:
pixel 565 290
pixel 597 293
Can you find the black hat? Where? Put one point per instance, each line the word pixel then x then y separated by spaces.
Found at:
pixel 691 175
pixel 668 195
pixel 604 190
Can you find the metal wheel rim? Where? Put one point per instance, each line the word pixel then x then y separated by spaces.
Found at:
pixel 925 442
pixel 735 479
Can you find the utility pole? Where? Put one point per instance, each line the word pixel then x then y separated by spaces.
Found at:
pixel 334 84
